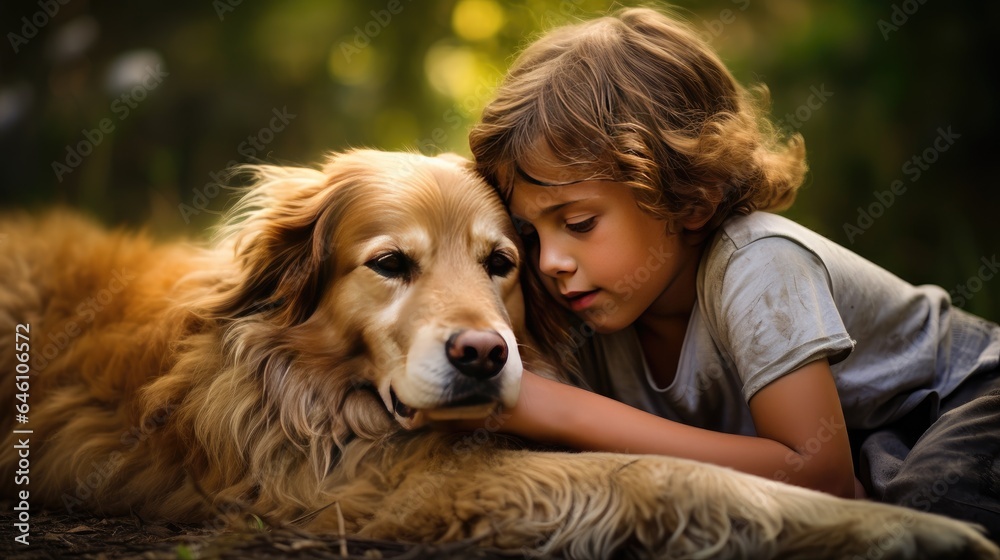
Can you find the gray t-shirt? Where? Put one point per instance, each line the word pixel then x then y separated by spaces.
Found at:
pixel 774 296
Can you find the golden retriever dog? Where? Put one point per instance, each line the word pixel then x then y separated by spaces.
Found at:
pixel 293 368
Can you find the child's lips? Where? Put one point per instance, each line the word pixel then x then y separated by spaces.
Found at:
pixel 578 301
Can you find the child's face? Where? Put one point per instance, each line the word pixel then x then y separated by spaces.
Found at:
pixel 599 254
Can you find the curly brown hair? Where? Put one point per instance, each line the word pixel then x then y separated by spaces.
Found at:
pixel 639 98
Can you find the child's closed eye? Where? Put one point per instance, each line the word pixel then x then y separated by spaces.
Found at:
pixel 582 226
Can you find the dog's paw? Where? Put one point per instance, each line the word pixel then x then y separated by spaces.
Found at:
pixel 913 534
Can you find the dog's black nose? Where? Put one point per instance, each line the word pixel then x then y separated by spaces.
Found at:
pixel 478 354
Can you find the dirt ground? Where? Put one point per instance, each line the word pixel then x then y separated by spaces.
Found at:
pixel 60 536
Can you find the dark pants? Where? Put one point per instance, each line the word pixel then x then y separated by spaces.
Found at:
pixel 943 457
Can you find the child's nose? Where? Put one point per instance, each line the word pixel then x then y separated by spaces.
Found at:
pixel 553 261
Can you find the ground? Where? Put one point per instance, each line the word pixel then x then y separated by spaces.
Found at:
pixel 61 536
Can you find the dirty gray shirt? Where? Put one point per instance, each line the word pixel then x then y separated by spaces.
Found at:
pixel 774 296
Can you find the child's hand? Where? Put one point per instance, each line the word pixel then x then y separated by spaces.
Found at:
pixel 524 418
pixel 859 490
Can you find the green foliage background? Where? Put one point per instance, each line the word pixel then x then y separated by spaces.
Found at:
pixel 356 74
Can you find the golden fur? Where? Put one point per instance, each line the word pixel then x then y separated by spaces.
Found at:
pixel 290 367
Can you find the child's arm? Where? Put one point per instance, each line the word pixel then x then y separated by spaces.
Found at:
pixel 802 438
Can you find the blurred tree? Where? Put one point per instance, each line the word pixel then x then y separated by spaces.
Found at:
pixel 132 112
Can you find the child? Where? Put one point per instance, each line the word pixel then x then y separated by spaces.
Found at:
pixel 640 175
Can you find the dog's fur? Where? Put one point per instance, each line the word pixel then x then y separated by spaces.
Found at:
pixel 290 367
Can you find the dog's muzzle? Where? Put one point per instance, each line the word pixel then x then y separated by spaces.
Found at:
pixel 450 375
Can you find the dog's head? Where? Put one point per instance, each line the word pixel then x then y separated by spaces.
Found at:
pixel 390 270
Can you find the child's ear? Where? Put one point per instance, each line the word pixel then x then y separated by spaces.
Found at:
pixel 699 217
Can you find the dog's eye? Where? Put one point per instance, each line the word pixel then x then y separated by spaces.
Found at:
pixel 392 265
pixel 499 264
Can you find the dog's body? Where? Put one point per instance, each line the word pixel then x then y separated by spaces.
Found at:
pixel 289 367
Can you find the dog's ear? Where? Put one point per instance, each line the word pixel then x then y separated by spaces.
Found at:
pixel 281 253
